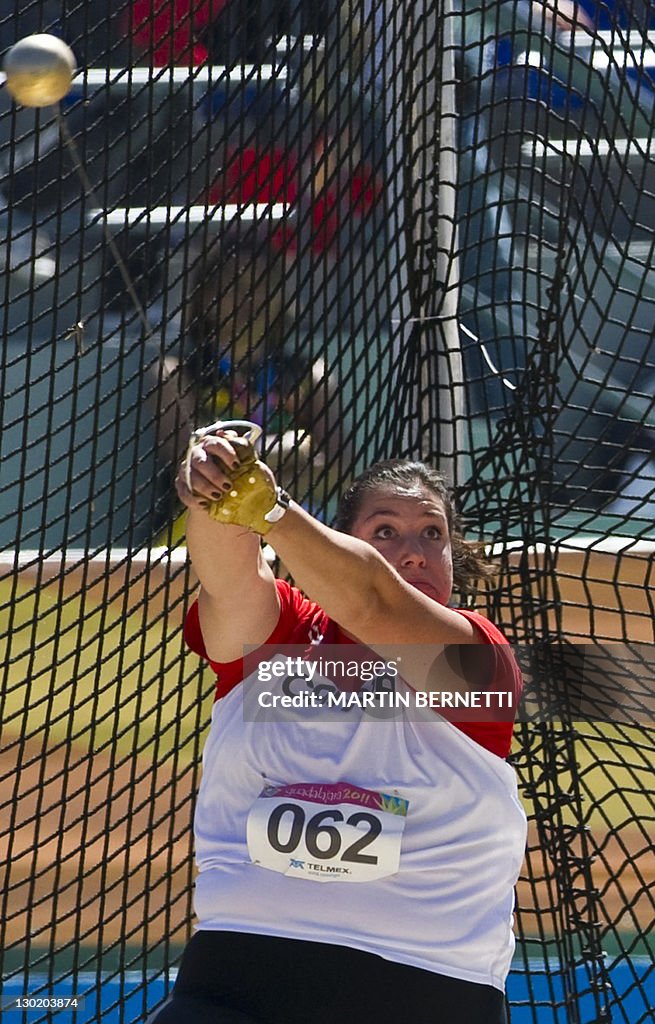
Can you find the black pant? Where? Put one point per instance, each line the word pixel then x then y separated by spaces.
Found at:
pixel 232 978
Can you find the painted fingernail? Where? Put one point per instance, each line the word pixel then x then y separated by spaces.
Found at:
pixel 216 494
pixel 227 486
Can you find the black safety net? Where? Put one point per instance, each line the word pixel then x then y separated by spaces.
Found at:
pixel 375 229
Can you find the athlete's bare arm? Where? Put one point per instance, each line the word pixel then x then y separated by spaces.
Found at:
pixel 238 600
pixel 345 575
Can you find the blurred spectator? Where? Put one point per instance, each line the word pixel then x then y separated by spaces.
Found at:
pixel 252 174
pixel 172 32
pixel 244 358
pixel 224 32
pixel 234 333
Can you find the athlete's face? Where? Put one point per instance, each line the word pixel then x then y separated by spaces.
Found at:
pixel 409 527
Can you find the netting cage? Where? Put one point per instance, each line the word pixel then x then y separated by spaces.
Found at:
pixel 375 229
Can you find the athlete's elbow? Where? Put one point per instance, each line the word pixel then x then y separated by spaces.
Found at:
pixel 367 604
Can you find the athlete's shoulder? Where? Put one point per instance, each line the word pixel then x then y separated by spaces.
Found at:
pixel 501 672
pixel 505 671
pixel 489 632
pixel 300 621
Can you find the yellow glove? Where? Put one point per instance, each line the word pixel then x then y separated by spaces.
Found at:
pixel 254 500
pixel 253 493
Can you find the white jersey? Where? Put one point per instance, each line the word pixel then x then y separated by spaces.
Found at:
pixel 400 837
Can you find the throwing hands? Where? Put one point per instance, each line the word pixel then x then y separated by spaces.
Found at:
pixel 222 475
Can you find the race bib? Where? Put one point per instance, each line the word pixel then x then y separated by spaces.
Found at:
pixel 327 832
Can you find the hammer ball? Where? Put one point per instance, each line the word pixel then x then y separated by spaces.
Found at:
pixel 39 70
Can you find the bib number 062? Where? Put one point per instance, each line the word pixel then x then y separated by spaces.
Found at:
pixel 322 838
